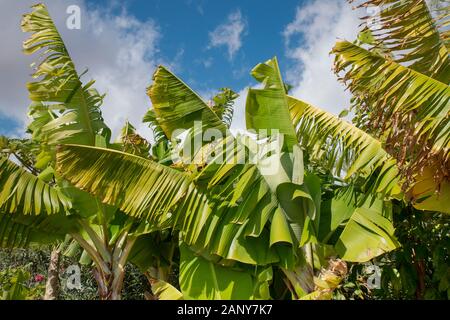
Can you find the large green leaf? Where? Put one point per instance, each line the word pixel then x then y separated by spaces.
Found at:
pixel 58 83
pixel 201 279
pixel 267 108
pixel 64 110
pixel 177 107
pixel 22 192
pixel 139 187
pixel 367 229
pixel 13 235
pixel 31 211
pixel 398 89
pixel 20 231
pixel 339 146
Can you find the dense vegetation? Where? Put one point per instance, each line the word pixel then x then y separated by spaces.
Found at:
pixel 294 210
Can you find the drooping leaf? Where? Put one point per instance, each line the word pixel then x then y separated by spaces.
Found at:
pixel 409 31
pixel 21 231
pixel 398 89
pixel 339 146
pixel 139 187
pixel 407 110
pixel 201 279
pixel 21 191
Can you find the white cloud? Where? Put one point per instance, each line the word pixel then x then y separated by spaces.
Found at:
pixel 309 39
pixel 229 33
pixel 120 51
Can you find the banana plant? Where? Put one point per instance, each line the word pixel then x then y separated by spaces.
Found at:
pixel 399 75
pixel 241 232
pixel 398 72
pixel 240 226
pixel 39 206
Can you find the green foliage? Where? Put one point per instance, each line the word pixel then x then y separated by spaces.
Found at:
pixel 401 89
pixel 233 216
pixel 59 83
pixel 34 261
pixel 368 231
pixel 420 269
pixel 338 146
pixel 267 108
pixel 413 34
pixel 225 227
pixel 177 106
pixel 18 284
pixel 399 73
pixel 222 105
pixel 201 279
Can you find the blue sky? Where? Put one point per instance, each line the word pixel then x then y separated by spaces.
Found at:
pixel 186 25
pixel 210 44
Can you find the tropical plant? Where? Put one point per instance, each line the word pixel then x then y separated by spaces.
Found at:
pixel 36 204
pixel 18 284
pixel 275 214
pixel 399 71
pixel 306 205
pixel 399 75
pixel 233 214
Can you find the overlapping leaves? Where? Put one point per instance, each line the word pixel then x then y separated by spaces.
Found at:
pixel 30 209
pixel 408 110
pixel 177 107
pixel 24 192
pixel 339 146
pixel 411 34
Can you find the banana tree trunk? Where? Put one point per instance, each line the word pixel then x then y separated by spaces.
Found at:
pixel 52 285
pixel 300 281
pixel 109 286
pixel 109 261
